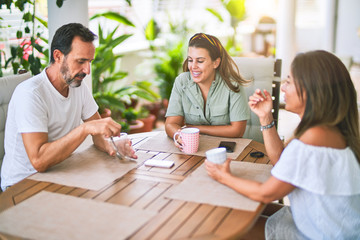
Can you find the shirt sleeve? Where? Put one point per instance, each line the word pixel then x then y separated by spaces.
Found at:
pixel 239 109
pixel 29 109
pixel 175 107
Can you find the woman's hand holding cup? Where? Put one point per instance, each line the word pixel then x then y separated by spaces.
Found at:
pixel 187 139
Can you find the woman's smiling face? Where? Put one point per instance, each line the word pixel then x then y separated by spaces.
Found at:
pixel 200 65
pixel 293 101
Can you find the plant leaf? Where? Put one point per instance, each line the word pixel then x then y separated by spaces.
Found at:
pixel 19 34
pixel 151 30
pixel 114 16
pixel 27 17
pixel 129 2
pixel 215 13
pixel 42 21
pixel 59 3
pixel 236 8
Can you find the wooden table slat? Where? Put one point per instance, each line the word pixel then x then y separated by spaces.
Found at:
pixel 192 224
pixel 132 192
pixel 7 197
pixel 53 187
pixel 156 177
pixel 176 221
pixel 111 191
pixel 237 219
pixel 244 153
pixel 77 192
pixel 30 192
pixel 152 195
pixel 188 166
pixel 153 226
pixel 213 220
pixel 65 190
pixel 157 174
pixel 160 203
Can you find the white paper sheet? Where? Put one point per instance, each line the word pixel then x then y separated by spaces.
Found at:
pixel 201 188
pixel 89 169
pixel 54 216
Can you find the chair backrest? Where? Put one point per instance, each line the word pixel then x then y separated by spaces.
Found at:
pixel 265 74
pixel 7 87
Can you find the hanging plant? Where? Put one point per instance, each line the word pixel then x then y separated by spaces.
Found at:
pixel 30 54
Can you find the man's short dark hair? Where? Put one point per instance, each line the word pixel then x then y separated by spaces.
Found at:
pixel 64 36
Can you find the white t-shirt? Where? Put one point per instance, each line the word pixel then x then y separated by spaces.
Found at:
pixel 36 106
pixel 326 202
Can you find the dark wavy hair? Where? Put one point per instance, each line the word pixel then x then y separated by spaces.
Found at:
pixel 64 36
pixel 331 98
pixel 227 68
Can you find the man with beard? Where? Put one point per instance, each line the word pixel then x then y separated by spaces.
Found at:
pixel 45 112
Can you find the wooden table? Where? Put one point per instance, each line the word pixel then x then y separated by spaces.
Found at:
pixel 144 187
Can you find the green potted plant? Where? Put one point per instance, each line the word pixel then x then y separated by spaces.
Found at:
pixel 168 59
pixel 130 116
pixel 104 74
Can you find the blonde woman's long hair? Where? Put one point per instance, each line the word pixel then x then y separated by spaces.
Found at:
pixel 331 98
pixel 227 68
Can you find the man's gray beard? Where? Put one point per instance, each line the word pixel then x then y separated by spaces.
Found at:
pixel 73 83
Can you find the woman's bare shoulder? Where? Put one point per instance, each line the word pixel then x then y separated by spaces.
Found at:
pixel 324 136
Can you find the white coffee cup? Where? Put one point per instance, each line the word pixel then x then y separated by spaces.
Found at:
pixel 216 155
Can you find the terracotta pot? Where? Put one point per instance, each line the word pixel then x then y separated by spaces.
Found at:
pixel 148 123
pixel 154 108
pixel 165 103
pixel 106 113
pixel 136 127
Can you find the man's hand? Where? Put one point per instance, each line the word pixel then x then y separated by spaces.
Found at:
pixel 106 127
pixel 123 145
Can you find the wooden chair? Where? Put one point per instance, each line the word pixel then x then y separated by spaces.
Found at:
pixel 7 87
pixel 265 73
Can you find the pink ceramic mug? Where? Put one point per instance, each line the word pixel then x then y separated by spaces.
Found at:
pixel 189 139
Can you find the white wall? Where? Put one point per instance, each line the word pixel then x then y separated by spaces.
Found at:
pixel 316 36
pixel 347 40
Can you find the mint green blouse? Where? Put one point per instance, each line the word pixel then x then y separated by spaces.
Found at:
pixel 222 107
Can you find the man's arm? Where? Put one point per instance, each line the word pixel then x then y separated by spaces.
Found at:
pixel 99 140
pixel 44 154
